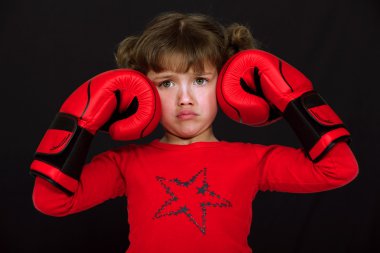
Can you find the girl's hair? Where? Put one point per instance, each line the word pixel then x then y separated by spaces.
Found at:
pixel 178 42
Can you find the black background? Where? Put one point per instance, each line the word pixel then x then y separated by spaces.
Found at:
pixel 48 48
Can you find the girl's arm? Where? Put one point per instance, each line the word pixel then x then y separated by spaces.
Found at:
pixel 287 169
pixel 258 88
pixel 101 179
pixel 122 102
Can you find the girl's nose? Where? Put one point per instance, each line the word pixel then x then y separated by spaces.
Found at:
pixel 185 95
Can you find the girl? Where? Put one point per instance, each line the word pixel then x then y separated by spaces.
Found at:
pixel 188 191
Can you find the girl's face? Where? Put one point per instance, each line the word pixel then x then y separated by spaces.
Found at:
pixel 188 102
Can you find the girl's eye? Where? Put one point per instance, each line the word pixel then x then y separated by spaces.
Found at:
pixel 166 84
pixel 200 81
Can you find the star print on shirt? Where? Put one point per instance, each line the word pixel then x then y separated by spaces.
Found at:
pixel 190 198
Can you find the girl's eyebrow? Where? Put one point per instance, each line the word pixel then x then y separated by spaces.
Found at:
pixel 202 73
pixel 169 75
pixel 161 77
pixel 205 74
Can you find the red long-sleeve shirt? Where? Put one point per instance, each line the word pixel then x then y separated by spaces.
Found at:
pixel 195 198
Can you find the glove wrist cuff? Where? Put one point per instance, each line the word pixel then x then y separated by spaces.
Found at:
pixel 315 123
pixel 62 152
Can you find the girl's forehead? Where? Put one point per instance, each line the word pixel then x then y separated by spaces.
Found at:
pixel 181 63
pixel 172 75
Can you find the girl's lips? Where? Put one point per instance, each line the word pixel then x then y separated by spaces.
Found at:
pixel 186 114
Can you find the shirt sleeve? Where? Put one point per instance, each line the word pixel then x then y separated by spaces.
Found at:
pixel 101 179
pixel 287 169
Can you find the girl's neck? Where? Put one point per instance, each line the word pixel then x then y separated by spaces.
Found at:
pixel 206 136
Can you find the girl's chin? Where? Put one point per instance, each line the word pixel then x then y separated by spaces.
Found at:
pixel 193 134
pixel 187 135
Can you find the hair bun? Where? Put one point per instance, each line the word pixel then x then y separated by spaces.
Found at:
pixel 124 53
pixel 239 38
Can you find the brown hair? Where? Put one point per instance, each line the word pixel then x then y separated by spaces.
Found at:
pixel 192 39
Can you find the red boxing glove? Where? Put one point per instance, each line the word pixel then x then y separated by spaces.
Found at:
pixel 123 102
pixel 239 101
pixel 252 75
